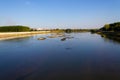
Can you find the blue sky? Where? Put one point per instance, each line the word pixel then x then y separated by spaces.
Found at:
pixel 59 13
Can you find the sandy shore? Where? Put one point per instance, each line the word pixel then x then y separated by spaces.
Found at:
pixel 11 35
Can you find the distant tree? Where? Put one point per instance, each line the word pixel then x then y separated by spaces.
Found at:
pixel 68 30
pixel 14 29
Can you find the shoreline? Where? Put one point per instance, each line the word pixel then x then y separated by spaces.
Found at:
pixel 12 35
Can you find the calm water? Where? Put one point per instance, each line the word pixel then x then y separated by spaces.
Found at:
pixel 84 57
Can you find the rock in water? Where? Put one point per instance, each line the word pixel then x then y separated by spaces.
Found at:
pixel 63 39
pixel 42 38
pixel 52 36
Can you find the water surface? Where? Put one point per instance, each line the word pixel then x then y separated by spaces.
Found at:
pixel 84 57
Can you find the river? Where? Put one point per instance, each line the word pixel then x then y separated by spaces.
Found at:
pixel 81 56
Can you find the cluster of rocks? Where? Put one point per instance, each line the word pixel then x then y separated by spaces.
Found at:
pixel 63 36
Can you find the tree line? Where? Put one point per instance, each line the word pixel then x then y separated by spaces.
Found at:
pixel 14 28
pixel 115 27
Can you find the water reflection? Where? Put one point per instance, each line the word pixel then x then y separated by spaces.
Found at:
pixel 18 40
pixel 112 39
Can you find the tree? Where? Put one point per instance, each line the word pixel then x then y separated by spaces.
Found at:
pixel 107 27
pixel 14 29
pixel 111 27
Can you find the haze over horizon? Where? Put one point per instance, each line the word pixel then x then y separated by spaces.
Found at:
pixel 59 13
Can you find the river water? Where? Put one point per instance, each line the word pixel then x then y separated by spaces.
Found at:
pixel 81 56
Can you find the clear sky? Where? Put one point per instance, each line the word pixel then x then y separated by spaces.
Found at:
pixel 59 13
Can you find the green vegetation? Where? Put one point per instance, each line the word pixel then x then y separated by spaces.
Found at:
pixel 76 30
pixel 14 29
pixel 114 27
pixel 70 30
pixel 110 31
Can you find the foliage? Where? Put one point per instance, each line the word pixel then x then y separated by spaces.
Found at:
pixel 111 27
pixel 14 29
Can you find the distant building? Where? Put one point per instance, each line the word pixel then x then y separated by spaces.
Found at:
pixel 39 29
